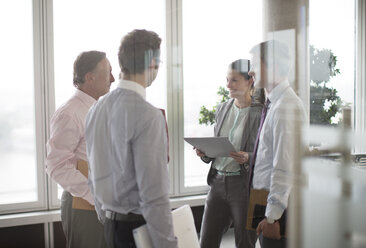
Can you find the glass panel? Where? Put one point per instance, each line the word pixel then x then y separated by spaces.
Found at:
pixel 18 166
pixel 102 28
pixel 209 46
pixel 331 59
pixel 332 178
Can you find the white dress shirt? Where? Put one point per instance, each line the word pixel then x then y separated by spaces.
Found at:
pixel 67 145
pixel 127 151
pixel 276 147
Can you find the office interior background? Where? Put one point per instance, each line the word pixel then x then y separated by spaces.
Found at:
pixel 40 40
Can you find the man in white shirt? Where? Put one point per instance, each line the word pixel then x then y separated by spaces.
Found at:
pixel 127 150
pixel 276 148
pixel 66 148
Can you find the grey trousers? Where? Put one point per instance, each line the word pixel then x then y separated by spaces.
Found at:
pixel 81 227
pixel 227 204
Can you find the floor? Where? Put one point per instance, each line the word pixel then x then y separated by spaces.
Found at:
pixel 229 242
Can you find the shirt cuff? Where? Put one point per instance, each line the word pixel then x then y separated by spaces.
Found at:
pixel 89 198
pixel 273 211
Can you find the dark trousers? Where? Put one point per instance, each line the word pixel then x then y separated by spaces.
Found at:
pixel 119 234
pixel 226 204
pixel 272 243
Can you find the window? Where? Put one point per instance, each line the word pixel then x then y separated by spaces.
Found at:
pixel 225 32
pixel 332 62
pixel 331 39
pixel 21 172
pixel 200 39
pixel 76 30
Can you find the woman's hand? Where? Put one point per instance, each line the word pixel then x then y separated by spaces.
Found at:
pixel 240 157
pixel 199 153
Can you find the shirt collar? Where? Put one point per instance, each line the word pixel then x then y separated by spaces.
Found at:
pixel 85 98
pixel 131 85
pixel 278 90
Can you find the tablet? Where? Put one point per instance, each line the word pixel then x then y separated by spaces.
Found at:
pixel 212 146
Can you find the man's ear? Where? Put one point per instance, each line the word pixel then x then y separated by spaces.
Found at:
pixel 154 64
pixel 89 76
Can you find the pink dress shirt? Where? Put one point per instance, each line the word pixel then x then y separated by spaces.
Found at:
pixel 67 145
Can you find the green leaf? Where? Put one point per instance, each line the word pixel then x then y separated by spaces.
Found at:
pixel 322 68
pixel 207 117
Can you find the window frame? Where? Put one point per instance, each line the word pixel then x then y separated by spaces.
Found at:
pixel 50 97
pixel 44 94
pixel 175 98
pixel 360 73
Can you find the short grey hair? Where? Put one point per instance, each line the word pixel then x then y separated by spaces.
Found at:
pixel 84 63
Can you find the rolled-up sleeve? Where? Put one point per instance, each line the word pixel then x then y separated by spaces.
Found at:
pixel 280 186
pixel 284 144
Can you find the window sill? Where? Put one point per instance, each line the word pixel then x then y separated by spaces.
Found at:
pixel 192 200
pixel 21 219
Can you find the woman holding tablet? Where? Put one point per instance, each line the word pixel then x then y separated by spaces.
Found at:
pixel 227 201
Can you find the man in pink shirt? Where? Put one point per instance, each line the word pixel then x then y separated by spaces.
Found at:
pixel 66 148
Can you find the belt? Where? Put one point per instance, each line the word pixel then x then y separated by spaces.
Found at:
pixel 123 217
pixel 228 173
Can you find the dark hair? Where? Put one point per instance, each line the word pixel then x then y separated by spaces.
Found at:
pixel 137 49
pixel 274 52
pixel 258 96
pixel 242 66
pixel 84 63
